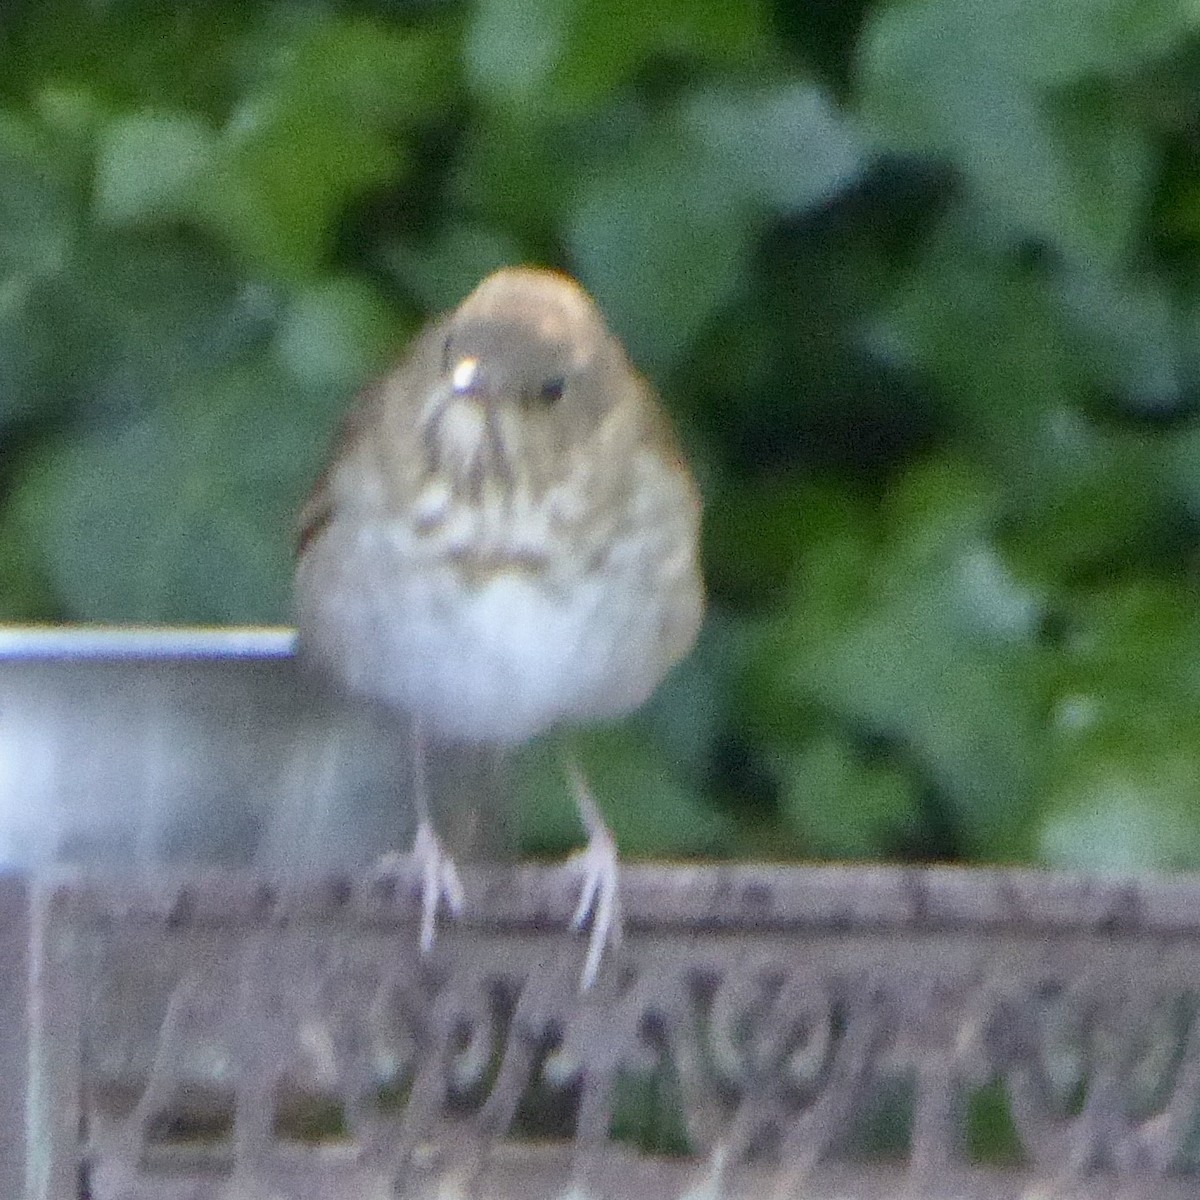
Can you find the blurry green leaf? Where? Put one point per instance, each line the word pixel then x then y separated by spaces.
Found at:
pixel 1136 335
pixel 786 140
pixel 689 712
pixel 275 181
pixel 927 639
pixel 662 240
pixel 1123 734
pixel 989 333
pixel 319 129
pixel 1091 497
pixel 650 811
pixel 183 514
pixel 1110 158
pixel 1061 41
pixel 843 807
pixel 149 165
pixel 284 175
pixel 25 592
pixel 332 334
pixel 1183 464
pixel 598 58
pixel 440 272
pixel 513 46
pixel 1117 805
pixel 73 110
pixel 752 534
pixel 1137 637
pixel 831 554
pixel 942 515
pixel 128 54
pixel 949 78
pixel 37 214
pixel 151 311
pixel 1181 452
pixel 39 220
pixel 379 74
pixel 514 183
pixel 40 346
pixel 545 56
pixel 1012 350
pixel 1179 214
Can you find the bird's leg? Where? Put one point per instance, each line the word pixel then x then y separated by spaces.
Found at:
pixel 598 860
pixel 439 876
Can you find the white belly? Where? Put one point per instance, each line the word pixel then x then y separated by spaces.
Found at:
pixel 501 661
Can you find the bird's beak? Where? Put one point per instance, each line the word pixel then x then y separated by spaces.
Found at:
pixel 464 379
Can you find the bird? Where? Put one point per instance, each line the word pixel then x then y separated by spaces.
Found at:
pixel 505 541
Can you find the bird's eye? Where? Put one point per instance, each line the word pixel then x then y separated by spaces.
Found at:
pixel 551 391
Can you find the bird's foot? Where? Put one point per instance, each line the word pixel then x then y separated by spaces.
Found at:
pixel 598 899
pixel 440 882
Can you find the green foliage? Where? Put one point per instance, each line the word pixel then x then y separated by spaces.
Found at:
pixel 917 278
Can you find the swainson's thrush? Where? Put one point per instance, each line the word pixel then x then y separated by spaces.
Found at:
pixel 505 541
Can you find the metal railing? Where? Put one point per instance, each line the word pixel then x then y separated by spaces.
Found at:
pixel 761 1031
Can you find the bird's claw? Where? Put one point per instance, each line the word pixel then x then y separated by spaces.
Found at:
pixel 440 882
pixel 599 898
